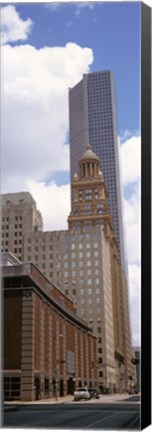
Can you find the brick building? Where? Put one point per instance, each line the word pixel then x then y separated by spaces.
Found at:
pixel 48 350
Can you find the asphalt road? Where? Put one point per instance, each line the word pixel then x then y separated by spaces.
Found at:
pixel 75 415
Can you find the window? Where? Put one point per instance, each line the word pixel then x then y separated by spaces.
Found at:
pixel 80 245
pixel 11 387
pixel 100 350
pixel 89 281
pixel 100 360
pixel 72 246
pixel 98 329
pixel 99 340
pixel 89 290
pixel 88 254
pixel 88 263
pixel 97 281
pixel 89 301
pixel 80 254
pixel 100 374
pixel 81 301
pixel 46 386
pixel 96 253
pixel 97 300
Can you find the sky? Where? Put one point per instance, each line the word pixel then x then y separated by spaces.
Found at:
pixel 46 48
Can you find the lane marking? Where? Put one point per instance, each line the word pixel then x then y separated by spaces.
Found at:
pixel 105 418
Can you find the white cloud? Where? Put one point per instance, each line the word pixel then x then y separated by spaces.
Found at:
pixel 132 217
pixel 13 27
pixel 135 302
pixel 130 157
pixel 131 160
pixel 53 202
pixel 35 109
pixel 79 6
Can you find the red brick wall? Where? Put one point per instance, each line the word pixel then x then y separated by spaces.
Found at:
pixel 37 332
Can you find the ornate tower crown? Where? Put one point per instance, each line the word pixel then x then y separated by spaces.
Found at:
pixel 89 164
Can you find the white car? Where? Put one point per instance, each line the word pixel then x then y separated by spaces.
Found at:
pixel 81 393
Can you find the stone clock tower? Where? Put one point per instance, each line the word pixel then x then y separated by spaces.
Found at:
pixel 89 196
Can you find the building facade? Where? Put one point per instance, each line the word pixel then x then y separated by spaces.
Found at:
pixel 48 350
pixel 83 263
pixel 19 215
pixel 137 365
pixel 93 119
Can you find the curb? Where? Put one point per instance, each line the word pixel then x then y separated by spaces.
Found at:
pixel 10 408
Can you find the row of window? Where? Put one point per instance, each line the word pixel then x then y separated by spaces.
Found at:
pixel 90 300
pixel 90 311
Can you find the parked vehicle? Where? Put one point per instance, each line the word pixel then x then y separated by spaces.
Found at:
pixel 81 393
pixel 93 393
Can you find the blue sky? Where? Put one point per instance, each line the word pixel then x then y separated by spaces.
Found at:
pixel 111 29
pixel 46 48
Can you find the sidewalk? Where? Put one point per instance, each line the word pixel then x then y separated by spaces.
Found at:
pixel 113 398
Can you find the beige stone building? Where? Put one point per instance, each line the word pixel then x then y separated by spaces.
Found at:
pixel 83 262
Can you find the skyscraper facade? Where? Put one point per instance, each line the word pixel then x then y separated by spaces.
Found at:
pixel 93 120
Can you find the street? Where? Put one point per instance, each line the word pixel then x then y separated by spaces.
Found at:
pixel 76 415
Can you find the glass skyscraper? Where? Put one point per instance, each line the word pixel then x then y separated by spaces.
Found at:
pixel 93 120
